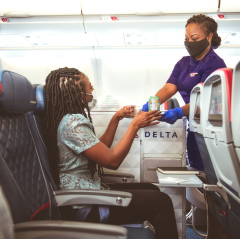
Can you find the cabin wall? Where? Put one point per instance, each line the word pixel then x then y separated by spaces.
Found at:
pixel 133 73
pixel 37 64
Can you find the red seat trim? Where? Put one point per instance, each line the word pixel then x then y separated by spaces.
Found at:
pixel 229 76
pixel 166 106
pixel 46 205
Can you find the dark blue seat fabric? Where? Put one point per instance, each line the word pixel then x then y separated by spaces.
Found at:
pixel 234 219
pixel 16 96
pixel 21 176
pixel 140 233
pixel 215 202
pixel 208 166
pixel 36 128
pixel 11 177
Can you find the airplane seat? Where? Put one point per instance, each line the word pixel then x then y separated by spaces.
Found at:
pixel 171 104
pixel 108 177
pixel 235 109
pixel 18 155
pixel 216 125
pixel 235 217
pixel 215 203
pixel 196 127
pixel 26 182
pixel 6 222
pixel 175 103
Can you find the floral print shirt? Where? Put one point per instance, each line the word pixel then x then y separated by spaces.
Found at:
pixel 75 135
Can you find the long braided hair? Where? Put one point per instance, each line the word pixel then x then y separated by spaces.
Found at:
pixel 209 25
pixel 63 88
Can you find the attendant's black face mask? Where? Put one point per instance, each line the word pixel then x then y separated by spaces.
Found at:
pixel 196 48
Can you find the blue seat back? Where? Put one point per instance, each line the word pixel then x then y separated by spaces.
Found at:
pixel 215 203
pixel 24 183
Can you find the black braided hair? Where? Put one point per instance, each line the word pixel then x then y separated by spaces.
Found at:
pixel 209 25
pixel 63 89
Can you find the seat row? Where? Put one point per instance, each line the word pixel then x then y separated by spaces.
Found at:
pixel 214 117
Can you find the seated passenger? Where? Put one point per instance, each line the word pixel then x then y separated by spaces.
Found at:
pixel 74 152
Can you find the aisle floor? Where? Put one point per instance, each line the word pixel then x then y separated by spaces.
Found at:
pixel 191 234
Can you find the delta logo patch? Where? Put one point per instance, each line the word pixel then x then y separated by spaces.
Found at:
pixel 193 74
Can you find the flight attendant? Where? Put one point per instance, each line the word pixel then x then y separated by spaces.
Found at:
pixel 200 39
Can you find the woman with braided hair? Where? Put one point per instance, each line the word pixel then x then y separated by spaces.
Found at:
pixel 74 151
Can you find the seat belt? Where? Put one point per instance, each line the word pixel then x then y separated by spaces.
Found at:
pixel 83 213
pixel 104 213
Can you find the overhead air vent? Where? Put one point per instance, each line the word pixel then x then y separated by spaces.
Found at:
pixel 144 39
pixel 170 39
pixel 14 41
pixel 232 39
pixel 77 40
pixel 42 40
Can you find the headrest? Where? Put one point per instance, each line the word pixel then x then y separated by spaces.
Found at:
pixel 41 98
pixel 16 94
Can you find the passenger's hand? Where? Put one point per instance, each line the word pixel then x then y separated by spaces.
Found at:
pixel 124 112
pixel 144 119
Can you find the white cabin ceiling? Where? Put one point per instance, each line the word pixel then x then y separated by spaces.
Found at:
pixel 110 39
pixel 2 45
pixel 117 7
pixel 163 39
pixel 61 23
pixel 230 6
pixel 41 8
pixel 43 25
pixel 75 40
pixel 14 41
pixel 170 39
pixel 131 7
pixel 99 7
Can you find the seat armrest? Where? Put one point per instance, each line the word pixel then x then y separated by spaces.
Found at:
pixel 68 197
pixel 112 177
pixel 70 230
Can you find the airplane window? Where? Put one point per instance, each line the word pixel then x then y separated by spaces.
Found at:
pixel 215 112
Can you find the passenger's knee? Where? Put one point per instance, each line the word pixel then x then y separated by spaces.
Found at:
pixel 167 199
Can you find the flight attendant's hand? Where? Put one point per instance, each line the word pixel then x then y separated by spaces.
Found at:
pixel 126 111
pixel 171 116
pixel 145 107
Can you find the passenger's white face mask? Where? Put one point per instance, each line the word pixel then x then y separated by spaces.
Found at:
pixel 93 102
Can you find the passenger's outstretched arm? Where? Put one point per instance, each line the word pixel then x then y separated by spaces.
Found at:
pixel 108 136
pixel 112 159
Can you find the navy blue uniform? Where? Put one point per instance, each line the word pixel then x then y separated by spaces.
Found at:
pixel 186 74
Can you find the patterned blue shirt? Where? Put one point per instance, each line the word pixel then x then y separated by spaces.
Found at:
pixel 75 135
